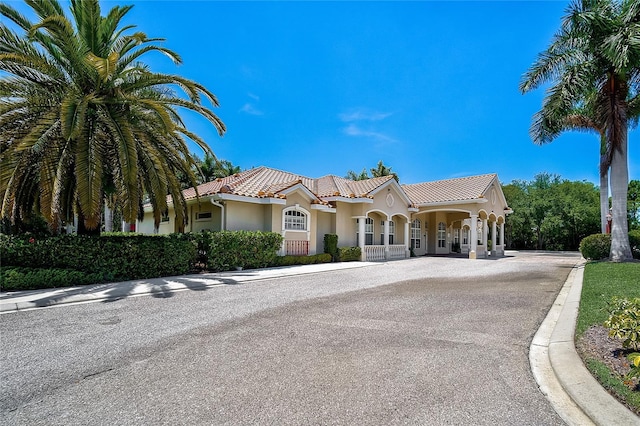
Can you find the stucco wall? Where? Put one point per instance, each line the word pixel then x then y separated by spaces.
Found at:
pixel 245 216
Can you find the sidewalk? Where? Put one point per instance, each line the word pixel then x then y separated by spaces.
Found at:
pixel 575 395
pixel 33 299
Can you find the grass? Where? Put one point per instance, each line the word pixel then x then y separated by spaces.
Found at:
pixel 603 281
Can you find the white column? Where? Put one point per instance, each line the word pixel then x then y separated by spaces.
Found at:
pixel 493 237
pixel 502 237
pixel 386 239
pixel 473 236
pixel 407 252
pixel 361 220
pixel 485 235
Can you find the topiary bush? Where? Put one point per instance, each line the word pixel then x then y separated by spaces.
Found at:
pixel 331 246
pixel 596 246
pixel 349 254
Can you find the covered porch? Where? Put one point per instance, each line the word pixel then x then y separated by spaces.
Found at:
pixel 382 237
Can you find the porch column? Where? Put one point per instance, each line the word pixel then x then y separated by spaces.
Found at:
pixel 386 239
pixel 494 242
pixel 502 237
pixel 407 252
pixel 485 235
pixel 473 236
pixel 361 220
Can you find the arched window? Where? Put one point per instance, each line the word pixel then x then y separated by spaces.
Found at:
pixel 442 235
pixel 295 220
pixel 416 232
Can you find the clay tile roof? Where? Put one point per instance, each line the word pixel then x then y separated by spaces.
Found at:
pixel 459 189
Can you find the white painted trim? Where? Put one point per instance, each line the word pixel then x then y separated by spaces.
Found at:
pixel 298 187
pixel 443 210
pixel 244 199
pixel 349 200
pixel 453 203
pixel 323 208
pixel 307 214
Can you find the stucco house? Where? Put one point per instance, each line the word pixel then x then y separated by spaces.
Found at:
pixel 385 219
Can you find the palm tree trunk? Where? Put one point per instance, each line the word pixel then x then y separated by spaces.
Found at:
pixel 604 201
pixel 620 247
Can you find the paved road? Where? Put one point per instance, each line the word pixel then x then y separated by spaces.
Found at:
pixel 420 341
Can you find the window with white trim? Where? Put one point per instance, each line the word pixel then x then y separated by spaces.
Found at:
pixel 392 232
pixel 295 220
pixel 368 232
pixel 465 236
pixel 456 236
pixel 442 235
pixel 416 232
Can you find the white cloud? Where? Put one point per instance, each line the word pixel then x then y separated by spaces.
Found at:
pixel 354 130
pixel 250 109
pixel 363 114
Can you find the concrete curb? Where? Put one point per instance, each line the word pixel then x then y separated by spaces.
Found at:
pixel 574 393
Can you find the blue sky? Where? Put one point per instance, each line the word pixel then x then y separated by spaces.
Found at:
pixel 315 88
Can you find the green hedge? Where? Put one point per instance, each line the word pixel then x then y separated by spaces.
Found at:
pixel 121 256
pixel 227 250
pixel 598 246
pixel 302 260
pixel 349 254
pixel 23 278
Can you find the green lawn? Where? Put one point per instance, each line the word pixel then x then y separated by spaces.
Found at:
pixel 603 281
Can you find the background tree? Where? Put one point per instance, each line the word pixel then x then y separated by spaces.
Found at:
pixel 381 170
pixel 363 175
pixel 78 110
pixel 550 213
pixel 596 53
pixel 633 204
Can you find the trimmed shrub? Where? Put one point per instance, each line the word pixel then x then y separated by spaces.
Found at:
pixel 331 246
pixel 302 260
pixel 349 254
pixel 596 246
pixel 14 278
pixel 123 256
pixel 227 250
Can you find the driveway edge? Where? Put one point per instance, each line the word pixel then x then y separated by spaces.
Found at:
pixel 574 393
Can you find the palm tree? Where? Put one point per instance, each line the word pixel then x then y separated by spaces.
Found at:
pixel 597 51
pixel 549 123
pixel 363 175
pixel 79 110
pixel 226 168
pixel 381 170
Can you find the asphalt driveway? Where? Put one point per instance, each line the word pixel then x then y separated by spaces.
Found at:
pixel 421 341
